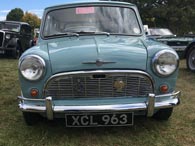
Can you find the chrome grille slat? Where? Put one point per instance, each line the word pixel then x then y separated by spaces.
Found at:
pixel 85 86
pixel 1 38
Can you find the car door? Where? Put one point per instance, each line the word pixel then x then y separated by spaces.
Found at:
pixel 25 37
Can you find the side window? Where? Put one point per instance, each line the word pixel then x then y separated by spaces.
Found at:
pixel 28 29
pixel 25 29
pixel 22 30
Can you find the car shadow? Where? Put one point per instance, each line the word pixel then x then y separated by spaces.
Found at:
pixel 4 56
pixel 141 124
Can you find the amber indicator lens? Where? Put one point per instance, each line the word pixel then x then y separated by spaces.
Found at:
pixel 164 88
pixel 34 92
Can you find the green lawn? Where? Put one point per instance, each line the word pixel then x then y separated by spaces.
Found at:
pixel 178 131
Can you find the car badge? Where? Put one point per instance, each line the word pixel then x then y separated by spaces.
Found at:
pixel 119 85
pixel 98 62
pixel 79 87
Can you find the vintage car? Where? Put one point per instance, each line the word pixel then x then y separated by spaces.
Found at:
pixel 160 32
pixel 15 37
pixel 184 46
pixel 94 66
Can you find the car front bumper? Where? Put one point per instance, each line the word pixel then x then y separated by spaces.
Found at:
pixel 150 106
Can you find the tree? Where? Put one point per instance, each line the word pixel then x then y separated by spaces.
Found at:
pixel 15 15
pixel 177 15
pixel 32 19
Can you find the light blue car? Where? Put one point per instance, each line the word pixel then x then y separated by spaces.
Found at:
pixel 94 66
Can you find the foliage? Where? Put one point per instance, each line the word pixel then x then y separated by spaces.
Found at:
pixel 15 15
pixel 177 15
pixel 32 19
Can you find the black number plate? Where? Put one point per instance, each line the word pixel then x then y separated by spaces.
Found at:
pixel 99 119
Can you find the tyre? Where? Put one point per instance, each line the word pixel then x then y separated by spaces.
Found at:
pixel 8 53
pixel 163 114
pixel 16 53
pixel 190 59
pixel 31 118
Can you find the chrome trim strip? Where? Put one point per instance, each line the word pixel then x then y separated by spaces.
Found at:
pixel 31 108
pixel 178 93
pixel 29 99
pixel 150 106
pixel 151 102
pixel 3 38
pixel 49 107
pixel 100 71
pixel 117 107
pixel 169 103
pixel 120 107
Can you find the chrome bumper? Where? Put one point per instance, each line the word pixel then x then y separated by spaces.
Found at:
pixel 149 106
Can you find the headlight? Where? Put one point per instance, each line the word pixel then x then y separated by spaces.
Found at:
pixel 32 67
pixel 165 62
pixel 7 36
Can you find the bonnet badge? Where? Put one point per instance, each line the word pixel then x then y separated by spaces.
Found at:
pixel 98 62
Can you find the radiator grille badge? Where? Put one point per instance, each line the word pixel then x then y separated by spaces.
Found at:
pixel 119 85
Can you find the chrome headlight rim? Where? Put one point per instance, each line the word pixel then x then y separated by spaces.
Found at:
pixel 155 62
pixel 41 61
pixel 8 36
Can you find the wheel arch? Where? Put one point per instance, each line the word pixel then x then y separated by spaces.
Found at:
pixel 189 47
pixel 18 42
pixel 14 42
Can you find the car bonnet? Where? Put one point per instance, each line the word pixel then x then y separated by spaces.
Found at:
pixel 97 52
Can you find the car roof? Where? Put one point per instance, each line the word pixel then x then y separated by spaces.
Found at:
pixel 16 22
pixel 88 3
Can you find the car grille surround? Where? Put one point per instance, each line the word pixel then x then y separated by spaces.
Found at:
pixel 1 38
pixel 99 84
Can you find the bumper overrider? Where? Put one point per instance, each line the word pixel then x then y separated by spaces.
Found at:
pixel 150 106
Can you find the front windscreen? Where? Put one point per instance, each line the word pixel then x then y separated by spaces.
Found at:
pixel 10 27
pixel 113 20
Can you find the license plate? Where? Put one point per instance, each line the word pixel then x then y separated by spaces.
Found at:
pixel 99 119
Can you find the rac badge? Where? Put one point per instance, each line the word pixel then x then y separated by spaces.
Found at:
pixel 119 85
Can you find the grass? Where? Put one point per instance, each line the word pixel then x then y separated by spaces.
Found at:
pixel 178 131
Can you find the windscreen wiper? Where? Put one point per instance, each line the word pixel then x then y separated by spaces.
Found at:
pixel 93 32
pixel 64 33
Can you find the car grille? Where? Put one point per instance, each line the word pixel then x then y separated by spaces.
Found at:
pixel 1 38
pixel 95 84
pixel 177 43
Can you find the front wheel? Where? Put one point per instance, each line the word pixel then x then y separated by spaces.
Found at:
pixel 163 114
pixel 190 59
pixel 31 118
pixel 16 53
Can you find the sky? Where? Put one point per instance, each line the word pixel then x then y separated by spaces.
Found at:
pixel 32 6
